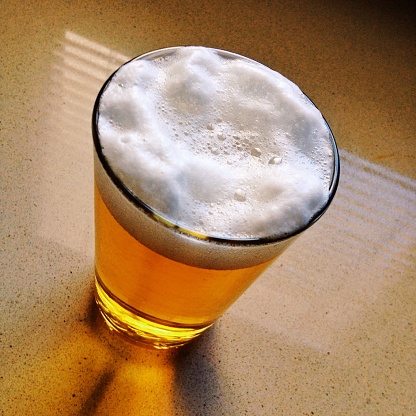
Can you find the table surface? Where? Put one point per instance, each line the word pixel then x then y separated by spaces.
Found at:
pixel 329 329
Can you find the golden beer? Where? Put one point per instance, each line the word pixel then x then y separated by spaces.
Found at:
pixel 169 302
pixel 160 282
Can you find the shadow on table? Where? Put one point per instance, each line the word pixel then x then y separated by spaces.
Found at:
pixel 197 382
pixel 139 380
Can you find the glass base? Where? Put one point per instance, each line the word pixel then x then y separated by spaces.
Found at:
pixel 139 329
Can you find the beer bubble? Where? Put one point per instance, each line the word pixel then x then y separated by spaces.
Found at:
pixel 240 195
pixel 125 139
pixel 275 160
pixel 256 152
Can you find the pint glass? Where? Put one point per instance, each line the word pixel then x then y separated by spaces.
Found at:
pixel 162 283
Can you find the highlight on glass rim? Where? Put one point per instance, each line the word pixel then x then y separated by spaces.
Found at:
pixel 207 166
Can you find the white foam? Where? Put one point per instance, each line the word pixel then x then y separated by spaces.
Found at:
pixel 221 145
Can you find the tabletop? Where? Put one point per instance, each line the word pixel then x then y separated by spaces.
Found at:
pixel 329 329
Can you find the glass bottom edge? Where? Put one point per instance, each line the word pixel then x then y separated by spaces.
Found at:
pixel 139 329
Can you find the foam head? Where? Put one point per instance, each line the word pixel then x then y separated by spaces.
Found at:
pixel 216 143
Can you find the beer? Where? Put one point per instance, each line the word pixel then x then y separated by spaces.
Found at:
pixel 155 288
pixel 183 230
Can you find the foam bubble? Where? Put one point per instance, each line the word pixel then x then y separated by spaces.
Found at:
pixel 221 145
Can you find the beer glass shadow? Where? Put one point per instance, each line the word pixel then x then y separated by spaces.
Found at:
pixel 193 377
pixel 197 382
pixel 188 372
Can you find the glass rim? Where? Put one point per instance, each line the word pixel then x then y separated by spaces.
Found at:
pixel 169 223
